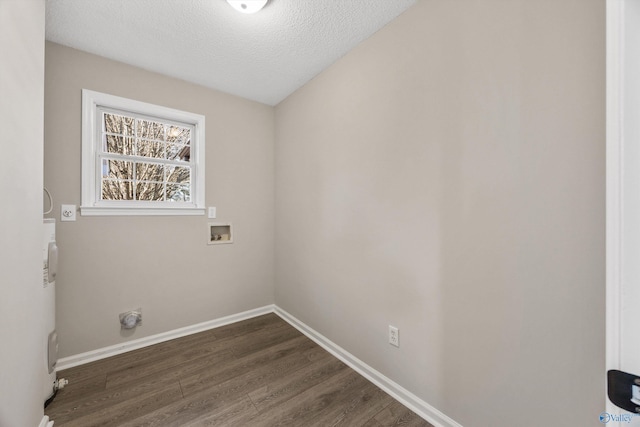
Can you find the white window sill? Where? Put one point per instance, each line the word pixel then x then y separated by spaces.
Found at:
pixel 115 211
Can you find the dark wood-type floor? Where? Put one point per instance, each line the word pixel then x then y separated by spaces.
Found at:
pixel 258 372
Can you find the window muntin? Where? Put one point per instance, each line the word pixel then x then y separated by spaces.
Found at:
pixel 140 158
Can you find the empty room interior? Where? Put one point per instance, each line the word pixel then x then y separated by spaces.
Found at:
pixel 415 188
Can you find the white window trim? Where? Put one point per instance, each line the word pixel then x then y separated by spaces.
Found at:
pixel 91 126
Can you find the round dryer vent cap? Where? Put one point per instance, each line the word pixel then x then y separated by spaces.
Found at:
pixel 130 319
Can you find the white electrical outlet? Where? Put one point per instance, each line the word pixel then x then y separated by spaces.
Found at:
pixel 68 213
pixel 394 336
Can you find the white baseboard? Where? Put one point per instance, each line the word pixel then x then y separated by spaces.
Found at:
pixel 408 399
pixel 45 422
pixel 102 353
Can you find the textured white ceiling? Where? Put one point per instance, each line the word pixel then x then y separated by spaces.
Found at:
pixel 264 56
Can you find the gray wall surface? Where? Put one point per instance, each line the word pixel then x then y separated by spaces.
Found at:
pixel 447 177
pixel 163 264
pixel 22 330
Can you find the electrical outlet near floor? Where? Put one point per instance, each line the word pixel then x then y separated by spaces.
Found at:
pixel 394 336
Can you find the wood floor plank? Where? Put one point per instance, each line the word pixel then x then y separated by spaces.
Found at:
pixel 309 405
pixel 230 415
pixel 264 338
pixel 397 414
pixel 80 389
pixel 292 384
pixel 181 412
pixel 114 415
pixel 356 408
pixel 258 372
pixel 93 403
pixel 141 356
pixel 251 364
pixel 207 396
pixel 168 360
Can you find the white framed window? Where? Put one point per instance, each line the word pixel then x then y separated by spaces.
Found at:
pixel 140 158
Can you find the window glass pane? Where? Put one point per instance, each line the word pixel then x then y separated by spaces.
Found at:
pixel 178 183
pixel 150 130
pixel 117 169
pixel 128 126
pixel 147 148
pixel 117 144
pixel 112 123
pixel 149 172
pixel 115 189
pixel 178 192
pixel 179 174
pixel 179 152
pixel 115 123
pixel 179 135
pixel 150 191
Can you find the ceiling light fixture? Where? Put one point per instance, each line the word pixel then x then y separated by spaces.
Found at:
pixel 247 6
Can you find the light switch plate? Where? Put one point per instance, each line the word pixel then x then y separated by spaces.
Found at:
pixel 394 336
pixel 68 213
pixel 212 212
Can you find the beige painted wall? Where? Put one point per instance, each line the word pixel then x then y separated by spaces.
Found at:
pixel 162 264
pixel 22 331
pixel 448 177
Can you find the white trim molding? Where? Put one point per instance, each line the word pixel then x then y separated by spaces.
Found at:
pixel 103 353
pixel 614 183
pixel 45 422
